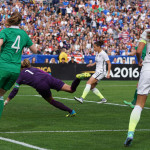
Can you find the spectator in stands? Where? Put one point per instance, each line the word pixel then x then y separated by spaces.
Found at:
pixel 46 61
pixel 63 61
pixel 82 61
pixel 90 61
pixel 115 61
pixel 72 61
pixel 124 60
pixel 116 21
pixel 133 62
pixel 63 54
pixel 125 52
pixel 33 60
pixel 53 61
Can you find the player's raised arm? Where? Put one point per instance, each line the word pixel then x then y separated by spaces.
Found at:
pixel 1 43
pixel 90 65
pixel 139 51
pixel 34 49
pixel 109 68
pixel 141 45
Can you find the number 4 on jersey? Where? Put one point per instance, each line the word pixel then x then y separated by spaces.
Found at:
pixel 16 44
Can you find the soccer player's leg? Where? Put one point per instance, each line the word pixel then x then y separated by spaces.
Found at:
pixel 5 84
pixel 99 77
pixel 134 119
pixel 135 97
pixel 132 104
pixel 143 90
pixel 47 95
pixel 1 105
pixel 61 86
pixel 61 106
pixel 72 88
pixel 86 90
pixel 2 92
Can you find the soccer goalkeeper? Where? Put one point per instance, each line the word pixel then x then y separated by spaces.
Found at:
pixel 43 82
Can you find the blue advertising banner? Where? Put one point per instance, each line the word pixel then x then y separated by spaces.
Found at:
pixel 113 59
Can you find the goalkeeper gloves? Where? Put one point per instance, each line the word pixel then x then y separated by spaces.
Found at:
pixel 6 102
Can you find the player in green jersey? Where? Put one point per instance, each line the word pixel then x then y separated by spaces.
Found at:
pixel 132 104
pixel 12 42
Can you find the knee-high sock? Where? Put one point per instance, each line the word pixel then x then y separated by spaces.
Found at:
pixel 134 118
pixel 60 106
pixel 135 98
pixel 75 84
pixel 86 90
pixel 98 93
pixel 1 105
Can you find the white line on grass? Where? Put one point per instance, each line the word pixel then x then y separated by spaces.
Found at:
pixel 81 131
pixel 103 85
pixel 85 101
pixel 22 143
pixel 98 102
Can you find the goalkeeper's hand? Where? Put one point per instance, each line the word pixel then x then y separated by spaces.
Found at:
pixel 6 102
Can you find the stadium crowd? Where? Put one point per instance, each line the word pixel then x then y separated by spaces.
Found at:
pixel 74 25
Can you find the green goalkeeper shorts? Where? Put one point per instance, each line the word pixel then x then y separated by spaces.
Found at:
pixel 7 79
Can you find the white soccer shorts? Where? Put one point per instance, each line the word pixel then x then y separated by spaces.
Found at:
pixel 144 83
pixel 98 75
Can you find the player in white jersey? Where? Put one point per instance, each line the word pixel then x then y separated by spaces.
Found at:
pixel 100 72
pixel 143 86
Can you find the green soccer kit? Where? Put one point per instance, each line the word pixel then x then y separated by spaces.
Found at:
pixel 14 40
pixel 143 56
pixel 143 52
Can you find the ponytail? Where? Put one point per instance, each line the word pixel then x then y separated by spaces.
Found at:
pixel 25 64
pixel 15 19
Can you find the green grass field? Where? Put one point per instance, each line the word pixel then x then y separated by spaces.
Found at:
pixel 95 127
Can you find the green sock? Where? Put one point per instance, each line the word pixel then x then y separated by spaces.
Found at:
pixel 86 91
pixel 98 93
pixel 135 98
pixel 1 105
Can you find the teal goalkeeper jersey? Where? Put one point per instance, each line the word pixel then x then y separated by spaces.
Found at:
pixel 14 40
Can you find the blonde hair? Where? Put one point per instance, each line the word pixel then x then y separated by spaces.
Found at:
pixel 15 19
pixel 25 63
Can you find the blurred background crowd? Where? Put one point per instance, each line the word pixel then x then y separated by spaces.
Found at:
pixel 72 26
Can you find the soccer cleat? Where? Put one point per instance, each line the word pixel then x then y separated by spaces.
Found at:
pixel 128 142
pixel 129 103
pixel 129 139
pixel 103 100
pixel 83 75
pixel 72 114
pixel 79 99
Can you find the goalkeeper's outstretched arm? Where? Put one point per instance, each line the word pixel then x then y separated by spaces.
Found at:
pixel 12 94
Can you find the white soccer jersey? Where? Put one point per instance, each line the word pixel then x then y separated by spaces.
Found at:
pixel 100 60
pixel 144 37
pixel 144 81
